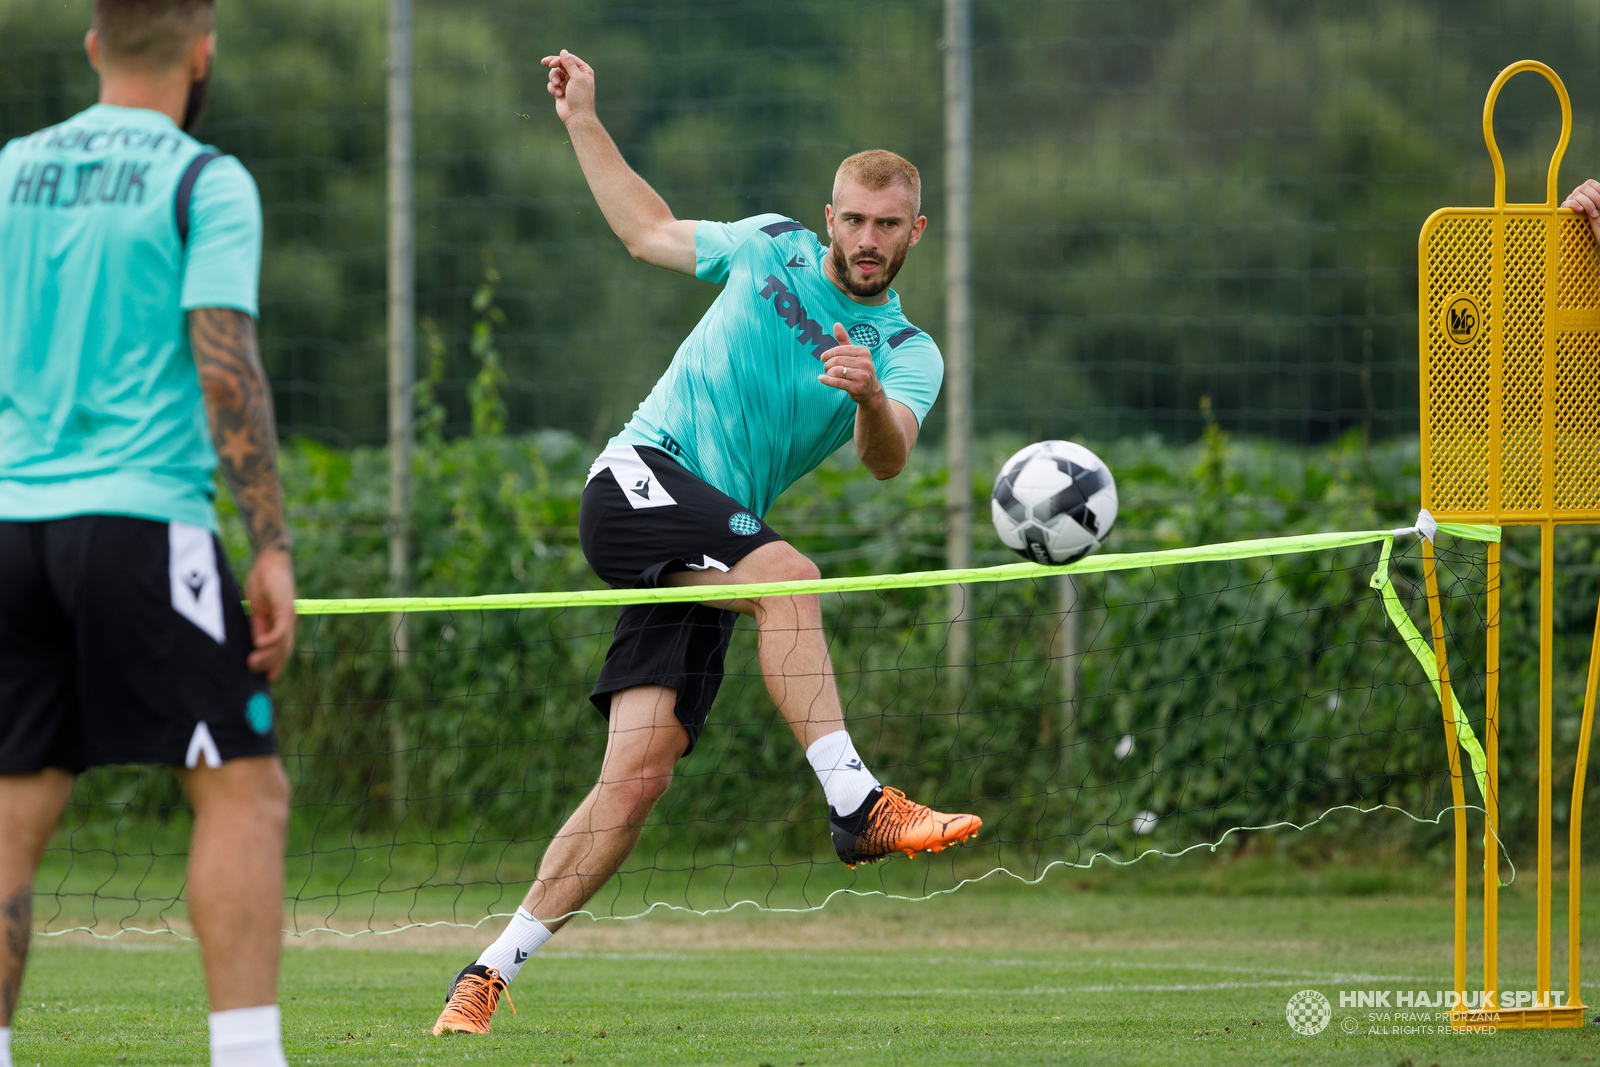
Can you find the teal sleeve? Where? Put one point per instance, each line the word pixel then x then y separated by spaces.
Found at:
pixel 715 243
pixel 222 266
pixel 914 375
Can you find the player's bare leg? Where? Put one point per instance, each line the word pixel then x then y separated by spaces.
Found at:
pixel 241 819
pixel 30 807
pixel 869 821
pixel 644 744
pixel 794 650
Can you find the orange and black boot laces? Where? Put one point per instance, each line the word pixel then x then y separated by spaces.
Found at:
pixel 887 822
pixel 471 1000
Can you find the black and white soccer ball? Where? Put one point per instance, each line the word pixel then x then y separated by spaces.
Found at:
pixel 1054 502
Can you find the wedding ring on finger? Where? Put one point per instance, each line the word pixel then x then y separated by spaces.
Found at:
pixel 844 372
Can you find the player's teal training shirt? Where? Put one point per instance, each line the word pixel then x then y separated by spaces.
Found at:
pixel 740 405
pixel 100 405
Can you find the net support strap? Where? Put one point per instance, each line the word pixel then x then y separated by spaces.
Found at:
pixel 1426 527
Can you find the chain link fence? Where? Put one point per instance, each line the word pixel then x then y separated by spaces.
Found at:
pixel 1173 199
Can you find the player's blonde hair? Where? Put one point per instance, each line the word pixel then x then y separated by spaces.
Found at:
pixel 154 34
pixel 877 169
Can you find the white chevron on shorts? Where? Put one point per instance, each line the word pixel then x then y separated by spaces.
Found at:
pixel 637 481
pixel 202 745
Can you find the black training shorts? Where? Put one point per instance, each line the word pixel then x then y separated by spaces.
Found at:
pixel 123 640
pixel 643 517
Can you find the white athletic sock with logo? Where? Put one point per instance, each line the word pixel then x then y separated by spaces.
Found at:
pixel 845 779
pixel 5 1046
pixel 247 1037
pixel 521 938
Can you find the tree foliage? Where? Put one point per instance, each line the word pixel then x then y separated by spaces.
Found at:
pixel 1173 198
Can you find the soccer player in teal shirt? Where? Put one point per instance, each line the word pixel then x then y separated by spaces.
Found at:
pixel 805 349
pixel 129 260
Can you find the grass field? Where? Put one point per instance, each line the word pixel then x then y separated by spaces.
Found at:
pixel 1170 969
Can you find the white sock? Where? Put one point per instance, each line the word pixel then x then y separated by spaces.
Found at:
pixel 521 938
pixel 845 779
pixel 5 1046
pixel 247 1037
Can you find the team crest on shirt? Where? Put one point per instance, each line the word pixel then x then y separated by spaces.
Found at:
pixel 743 523
pixel 865 334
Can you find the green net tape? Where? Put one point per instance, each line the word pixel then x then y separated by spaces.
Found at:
pixel 1097 564
pixel 1266 546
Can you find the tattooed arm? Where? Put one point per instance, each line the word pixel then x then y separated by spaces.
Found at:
pixel 243 431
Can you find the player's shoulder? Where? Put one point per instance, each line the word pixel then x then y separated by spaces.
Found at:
pixel 904 339
pixel 222 176
pixel 770 229
pixel 901 335
pixel 775 226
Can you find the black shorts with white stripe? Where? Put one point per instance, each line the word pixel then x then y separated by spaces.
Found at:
pixel 644 517
pixel 123 640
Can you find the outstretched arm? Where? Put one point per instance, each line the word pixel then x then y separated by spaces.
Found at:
pixel 636 212
pixel 239 408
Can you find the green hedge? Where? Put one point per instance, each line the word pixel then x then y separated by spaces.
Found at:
pixel 1253 691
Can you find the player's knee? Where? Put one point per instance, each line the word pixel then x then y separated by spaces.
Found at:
pixel 638 794
pixel 275 790
pixel 260 792
pixel 797 568
pixel 782 611
pixel 653 787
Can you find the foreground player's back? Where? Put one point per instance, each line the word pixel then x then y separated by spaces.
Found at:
pixel 96 376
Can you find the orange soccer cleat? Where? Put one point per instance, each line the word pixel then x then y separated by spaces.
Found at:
pixel 887 822
pixel 472 998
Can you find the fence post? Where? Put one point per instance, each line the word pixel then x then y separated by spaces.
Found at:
pixel 1066 654
pixel 958 321
pixel 402 357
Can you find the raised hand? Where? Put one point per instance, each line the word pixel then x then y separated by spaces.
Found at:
pixel 849 367
pixel 1585 200
pixel 572 84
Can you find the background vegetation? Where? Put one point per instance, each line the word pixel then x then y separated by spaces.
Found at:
pixel 1173 198
pixel 1250 692
pixel 1176 201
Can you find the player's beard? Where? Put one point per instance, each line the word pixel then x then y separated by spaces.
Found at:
pixel 878 282
pixel 196 106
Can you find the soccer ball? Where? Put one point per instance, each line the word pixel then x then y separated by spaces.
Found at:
pixel 1054 502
